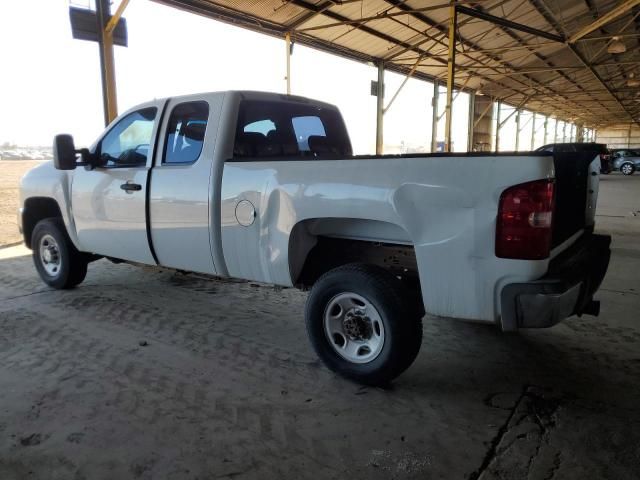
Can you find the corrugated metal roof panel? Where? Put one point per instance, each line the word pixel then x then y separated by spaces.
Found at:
pixel 506 62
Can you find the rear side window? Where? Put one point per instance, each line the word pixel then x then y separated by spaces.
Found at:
pixel 289 130
pixel 185 133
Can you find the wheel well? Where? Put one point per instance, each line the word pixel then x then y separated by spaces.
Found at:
pixel 314 250
pixel 36 209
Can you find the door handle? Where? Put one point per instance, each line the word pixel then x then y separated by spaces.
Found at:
pixel 131 187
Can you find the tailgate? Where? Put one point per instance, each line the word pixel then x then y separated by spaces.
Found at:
pixel 576 193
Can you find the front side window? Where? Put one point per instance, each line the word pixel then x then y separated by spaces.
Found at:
pixel 127 143
pixel 185 133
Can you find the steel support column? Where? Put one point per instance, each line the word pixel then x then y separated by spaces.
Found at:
pixel 546 125
pixel 434 116
pixel 533 132
pixel 107 64
pixel 497 149
pixel 287 41
pixel 451 70
pixel 564 132
pixel 380 110
pixel 472 114
pixel 518 130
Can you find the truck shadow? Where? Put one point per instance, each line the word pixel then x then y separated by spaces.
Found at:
pixel 582 357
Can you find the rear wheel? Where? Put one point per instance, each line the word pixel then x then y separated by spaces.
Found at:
pixel 58 262
pixel 627 168
pixel 362 325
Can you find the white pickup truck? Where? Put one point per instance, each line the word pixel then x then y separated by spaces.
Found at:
pixel 265 187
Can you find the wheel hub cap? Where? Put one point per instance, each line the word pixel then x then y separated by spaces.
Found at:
pixel 50 255
pixel 354 328
pixel 357 326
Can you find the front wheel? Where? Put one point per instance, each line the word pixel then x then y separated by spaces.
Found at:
pixel 627 168
pixel 362 325
pixel 56 259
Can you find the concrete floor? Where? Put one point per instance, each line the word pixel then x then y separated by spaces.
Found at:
pixel 227 386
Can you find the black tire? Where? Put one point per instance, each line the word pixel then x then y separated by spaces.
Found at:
pixel 72 267
pixel 402 324
pixel 627 168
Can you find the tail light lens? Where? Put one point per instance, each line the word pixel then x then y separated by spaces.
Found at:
pixel 524 224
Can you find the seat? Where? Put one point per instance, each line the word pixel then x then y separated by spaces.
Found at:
pixel 248 144
pixel 188 144
pixel 321 146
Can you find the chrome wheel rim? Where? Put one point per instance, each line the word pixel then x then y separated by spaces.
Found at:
pixel 50 255
pixel 626 169
pixel 354 328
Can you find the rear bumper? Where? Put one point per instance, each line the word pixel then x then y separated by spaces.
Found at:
pixel 567 289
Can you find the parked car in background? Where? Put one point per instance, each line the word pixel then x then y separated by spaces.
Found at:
pixel 633 152
pixel 598 149
pixel 627 161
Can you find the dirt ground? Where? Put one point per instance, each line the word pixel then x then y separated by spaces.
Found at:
pixel 10 173
pixel 151 374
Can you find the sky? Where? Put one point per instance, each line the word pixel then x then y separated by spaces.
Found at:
pixel 50 83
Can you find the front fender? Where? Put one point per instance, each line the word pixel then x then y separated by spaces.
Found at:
pixel 44 181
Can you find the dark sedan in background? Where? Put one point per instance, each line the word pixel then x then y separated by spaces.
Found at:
pixel 596 148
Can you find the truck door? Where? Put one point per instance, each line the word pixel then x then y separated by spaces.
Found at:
pixel 181 184
pixel 109 202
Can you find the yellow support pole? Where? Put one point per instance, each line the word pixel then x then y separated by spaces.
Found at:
pixel 107 64
pixel 113 21
pixel 451 69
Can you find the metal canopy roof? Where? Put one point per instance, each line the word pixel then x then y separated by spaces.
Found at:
pixel 539 62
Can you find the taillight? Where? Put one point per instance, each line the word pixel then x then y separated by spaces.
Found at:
pixel 525 215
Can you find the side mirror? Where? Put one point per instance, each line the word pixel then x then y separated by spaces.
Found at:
pixel 64 152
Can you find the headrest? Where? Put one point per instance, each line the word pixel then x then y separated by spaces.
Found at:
pixel 321 144
pixel 279 144
pixel 253 138
pixel 194 131
pixel 247 143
